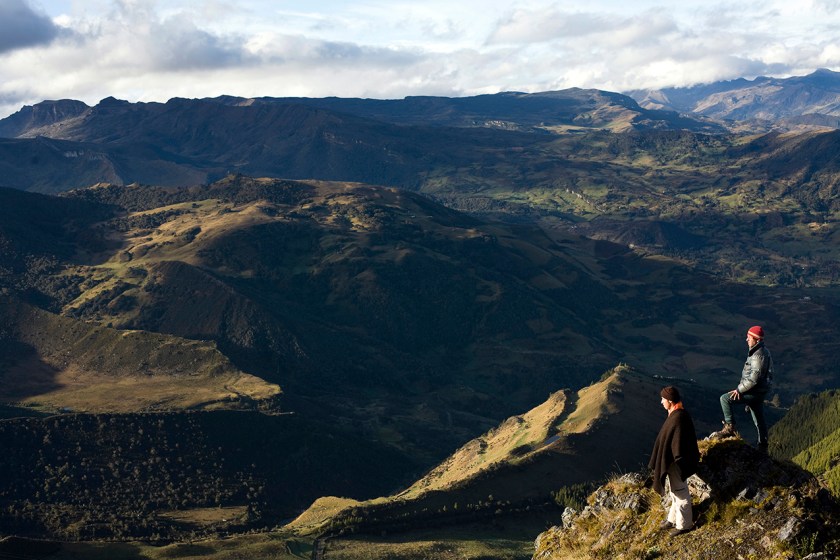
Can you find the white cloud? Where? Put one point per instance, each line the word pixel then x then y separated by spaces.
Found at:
pixel 538 26
pixel 177 44
pixel 149 50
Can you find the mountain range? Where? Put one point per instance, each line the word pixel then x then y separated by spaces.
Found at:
pixel 743 206
pixel 221 315
pixel 780 103
pixel 575 158
pixel 57 146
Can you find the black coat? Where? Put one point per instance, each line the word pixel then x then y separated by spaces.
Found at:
pixel 757 375
pixel 676 443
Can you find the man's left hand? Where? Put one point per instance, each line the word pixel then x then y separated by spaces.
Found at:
pixel 735 394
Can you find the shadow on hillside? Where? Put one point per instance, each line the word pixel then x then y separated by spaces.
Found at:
pixel 21 548
pixel 15 547
pixel 23 373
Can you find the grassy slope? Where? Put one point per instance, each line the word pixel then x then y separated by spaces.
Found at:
pixel 811 419
pixel 64 362
pixel 508 539
pixel 762 206
pixel 622 409
pixel 256 547
pixel 809 436
pixel 823 458
pixel 410 294
pixel 270 269
pixel 441 514
pixel 516 464
pixel 516 435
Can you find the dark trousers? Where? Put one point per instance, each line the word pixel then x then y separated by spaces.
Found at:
pixel 756 406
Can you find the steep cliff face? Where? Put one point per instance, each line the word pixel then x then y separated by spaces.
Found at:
pixel 747 505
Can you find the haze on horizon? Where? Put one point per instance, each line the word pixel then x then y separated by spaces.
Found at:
pixel 154 50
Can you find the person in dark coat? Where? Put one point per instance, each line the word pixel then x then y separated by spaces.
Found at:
pixel 675 455
pixel 756 381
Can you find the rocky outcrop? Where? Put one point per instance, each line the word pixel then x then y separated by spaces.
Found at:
pixel 747 505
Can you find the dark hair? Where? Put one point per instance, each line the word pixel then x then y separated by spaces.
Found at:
pixel 671 393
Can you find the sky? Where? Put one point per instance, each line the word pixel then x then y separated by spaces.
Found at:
pixel 154 50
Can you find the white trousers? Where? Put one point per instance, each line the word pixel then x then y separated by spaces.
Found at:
pixel 680 512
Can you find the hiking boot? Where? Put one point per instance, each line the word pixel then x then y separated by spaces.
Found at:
pixel 728 430
pixel 676 532
pixel 665 525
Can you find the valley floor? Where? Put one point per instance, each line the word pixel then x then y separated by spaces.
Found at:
pixel 508 538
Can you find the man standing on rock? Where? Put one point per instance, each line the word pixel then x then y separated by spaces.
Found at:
pixel 675 455
pixel 756 379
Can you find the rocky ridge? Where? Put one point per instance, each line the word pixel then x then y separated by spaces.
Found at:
pixel 746 504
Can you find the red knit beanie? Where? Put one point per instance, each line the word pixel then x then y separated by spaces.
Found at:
pixel 756 332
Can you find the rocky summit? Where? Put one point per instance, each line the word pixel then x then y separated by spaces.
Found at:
pixel 747 505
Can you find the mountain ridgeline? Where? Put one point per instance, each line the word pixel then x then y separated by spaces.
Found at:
pixel 749 206
pixel 274 319
pixel 795 102
pixel 401 143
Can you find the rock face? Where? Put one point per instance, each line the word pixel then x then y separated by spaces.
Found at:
pixel 747 505
pixel 37 119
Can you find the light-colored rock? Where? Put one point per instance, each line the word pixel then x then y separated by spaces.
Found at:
pixel 790 530
pixel 700 490
pixel 568 517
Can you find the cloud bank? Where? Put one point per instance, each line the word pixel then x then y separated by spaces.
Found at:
pixel 143 50
pixel 21 26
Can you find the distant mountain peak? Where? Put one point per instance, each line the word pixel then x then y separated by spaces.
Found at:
pixel 35 117
pixel 111 101
pixel 794 103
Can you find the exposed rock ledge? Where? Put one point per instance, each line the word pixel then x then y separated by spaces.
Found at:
pixel 747 505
